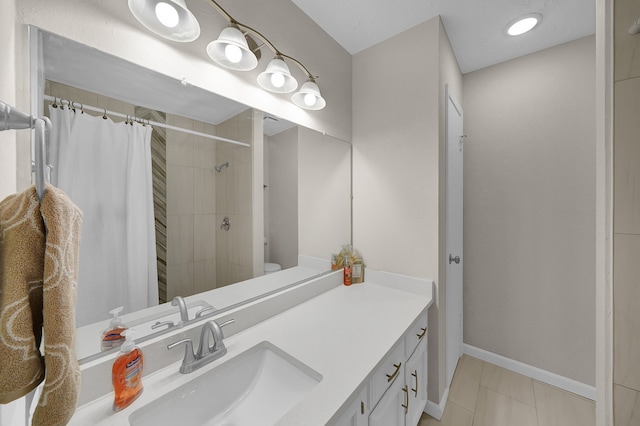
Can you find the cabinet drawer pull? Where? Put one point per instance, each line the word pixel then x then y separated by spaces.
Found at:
pixel 421 335
pixel 395 373
pixel 406 399
pixel 415 374
pixel 361 407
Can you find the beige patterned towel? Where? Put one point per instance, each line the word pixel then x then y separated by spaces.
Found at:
pixel 38 278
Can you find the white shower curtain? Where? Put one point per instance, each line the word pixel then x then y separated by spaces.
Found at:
pixel 105 168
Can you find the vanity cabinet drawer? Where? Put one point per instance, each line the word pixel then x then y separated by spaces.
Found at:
pixel 386 374
pixel 416 334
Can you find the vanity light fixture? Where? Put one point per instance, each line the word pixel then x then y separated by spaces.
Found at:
pixel 277 78
pixel 231 50
pixel 236 47
pixel 309 96
pixel 523 24
pixel 170 19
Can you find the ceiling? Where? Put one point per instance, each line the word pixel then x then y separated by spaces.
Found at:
pixel 475 27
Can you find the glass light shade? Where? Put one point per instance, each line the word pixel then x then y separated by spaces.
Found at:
pixel 277 77
pixel 159 16
pixel 308 97
pixel 167 14
pixel 224 50
pixel 523 24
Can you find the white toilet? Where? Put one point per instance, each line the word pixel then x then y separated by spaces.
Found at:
pixel 270 268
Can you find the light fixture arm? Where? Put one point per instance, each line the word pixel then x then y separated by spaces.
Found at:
pixel 265 40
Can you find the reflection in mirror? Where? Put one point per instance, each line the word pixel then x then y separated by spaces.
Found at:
pixel 204 190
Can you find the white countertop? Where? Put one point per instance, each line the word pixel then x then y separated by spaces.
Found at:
pixel 342 334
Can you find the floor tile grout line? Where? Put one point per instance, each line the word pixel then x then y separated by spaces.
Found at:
pixel 535 401
pixel 511 396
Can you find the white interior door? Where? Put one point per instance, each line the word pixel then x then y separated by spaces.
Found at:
pixel 454 259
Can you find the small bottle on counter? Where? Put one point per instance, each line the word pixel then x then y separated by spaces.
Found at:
pixel 357 271
pixel 347 270
pixel 127 373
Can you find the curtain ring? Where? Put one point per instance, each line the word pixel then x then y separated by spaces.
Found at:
pixel 81 108
pixel 62 104
pixel 55 100
pixel 104 116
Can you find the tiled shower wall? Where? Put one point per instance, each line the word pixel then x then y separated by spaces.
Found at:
pixel 190 208
pixel 200 255
pixel 626 228
pixel 234 248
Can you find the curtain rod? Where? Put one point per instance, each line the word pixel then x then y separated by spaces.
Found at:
pixel 73 104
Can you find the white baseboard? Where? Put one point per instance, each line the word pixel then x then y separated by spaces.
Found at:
pixel 536 373
pixel 436 410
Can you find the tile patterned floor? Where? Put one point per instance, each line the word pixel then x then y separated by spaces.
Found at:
pixel 483 394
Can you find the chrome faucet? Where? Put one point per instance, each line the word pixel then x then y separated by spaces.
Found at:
pixel 206 353
pixel 184 313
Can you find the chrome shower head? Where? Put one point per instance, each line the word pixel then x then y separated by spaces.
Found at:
pixel 221 166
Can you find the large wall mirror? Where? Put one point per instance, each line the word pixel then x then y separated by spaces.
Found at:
pixel 242 192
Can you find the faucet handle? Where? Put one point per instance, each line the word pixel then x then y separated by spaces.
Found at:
pixel 205 311
pixel 218 334
pixel 159 324
pixel 189 356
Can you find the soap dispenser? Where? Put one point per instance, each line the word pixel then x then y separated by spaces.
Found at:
pixel 347 271
pixel 112 337
pixel 127 373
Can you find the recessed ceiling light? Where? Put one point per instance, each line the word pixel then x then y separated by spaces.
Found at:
pixel 523 24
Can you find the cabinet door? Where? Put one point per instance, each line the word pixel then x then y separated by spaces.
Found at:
pixel 416 380
pixel 357 413
pixel 390 411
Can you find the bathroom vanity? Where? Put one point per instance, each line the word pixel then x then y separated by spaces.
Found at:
pixel 316 353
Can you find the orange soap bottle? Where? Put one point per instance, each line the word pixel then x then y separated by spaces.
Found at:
pixel 127 373
pixel 347 271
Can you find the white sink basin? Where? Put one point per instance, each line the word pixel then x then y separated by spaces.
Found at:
pixel 257 387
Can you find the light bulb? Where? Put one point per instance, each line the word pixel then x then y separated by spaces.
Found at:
pixel 233 53
pixel 167 14
pixel 522 26
pixel 309 99
pixel 277 79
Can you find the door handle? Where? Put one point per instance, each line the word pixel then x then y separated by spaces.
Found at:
pixel 454 259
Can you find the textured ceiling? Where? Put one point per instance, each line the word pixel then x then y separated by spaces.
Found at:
pixel 475 27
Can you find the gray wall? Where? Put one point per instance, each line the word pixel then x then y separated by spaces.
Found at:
pixel 398 204
pixel 626 219
pixel 282 193
pixel 7 95
pixel 529 221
